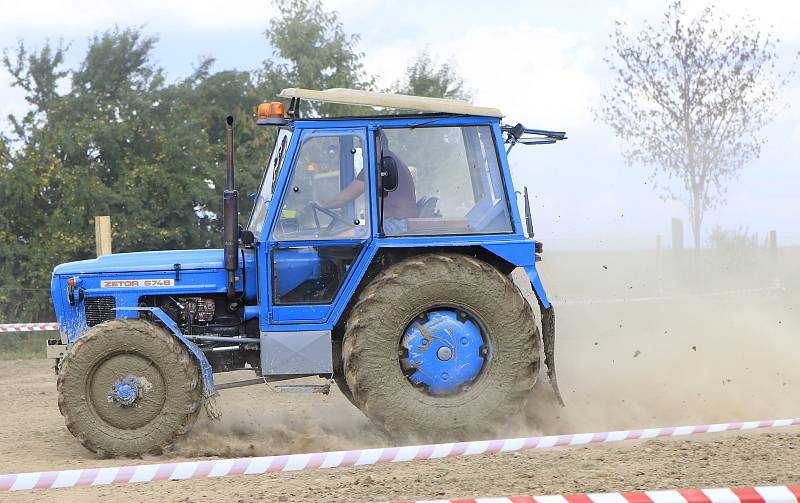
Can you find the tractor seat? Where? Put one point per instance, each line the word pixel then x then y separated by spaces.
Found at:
pixel 426 207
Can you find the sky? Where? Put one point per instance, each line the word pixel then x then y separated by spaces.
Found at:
pixel 540 63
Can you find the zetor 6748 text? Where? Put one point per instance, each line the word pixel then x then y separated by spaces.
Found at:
pixel 378 255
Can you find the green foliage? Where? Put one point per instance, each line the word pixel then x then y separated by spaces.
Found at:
pixel 313 51
pixel 5 154
pixel 113 137
pixel 424 78
pixel 37 75
pixel 205 99
pixel 121 142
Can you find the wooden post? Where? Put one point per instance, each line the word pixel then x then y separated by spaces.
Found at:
pixel 102 234
pixel 659 265
pixel 772 243
pixel 677 234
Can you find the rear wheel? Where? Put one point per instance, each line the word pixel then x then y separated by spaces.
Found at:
pixel 341 383
pixel 127 387
pixel 338 373
pixel 441 346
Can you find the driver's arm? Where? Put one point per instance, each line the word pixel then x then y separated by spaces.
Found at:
pixel 352 191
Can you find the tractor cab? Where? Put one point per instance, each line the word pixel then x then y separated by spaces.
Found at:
pixel 333 186
pixel 377 255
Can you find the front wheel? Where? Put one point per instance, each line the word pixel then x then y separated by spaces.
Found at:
pixel 441 346
pixel 127 387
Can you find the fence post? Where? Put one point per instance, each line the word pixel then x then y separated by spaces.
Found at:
pixel 659 265
pixel 102 234
pixel 772 243
pixel 677 234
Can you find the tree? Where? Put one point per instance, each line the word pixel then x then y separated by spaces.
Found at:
pixel 111 136
pixel 312 50
pixel 37 75
pixel 424 78
pixel 204 99
pixel 118 141
pixel 689 99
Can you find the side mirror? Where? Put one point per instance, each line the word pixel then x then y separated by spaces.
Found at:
pixel 517 131
pixel 389 177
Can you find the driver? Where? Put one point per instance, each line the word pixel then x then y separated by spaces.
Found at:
pixel 398 205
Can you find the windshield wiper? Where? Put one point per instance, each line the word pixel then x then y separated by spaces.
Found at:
pixel 437 119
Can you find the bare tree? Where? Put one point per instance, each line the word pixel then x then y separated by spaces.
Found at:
pixel 689 98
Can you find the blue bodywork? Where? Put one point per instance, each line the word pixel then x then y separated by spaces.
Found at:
pixel 295 268
pixel 196 272
pixel 200 272
pixel 513 247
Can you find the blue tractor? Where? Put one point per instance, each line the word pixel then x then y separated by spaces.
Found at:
pixel 378 255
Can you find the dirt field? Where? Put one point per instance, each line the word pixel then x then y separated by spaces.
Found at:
pixel 621 365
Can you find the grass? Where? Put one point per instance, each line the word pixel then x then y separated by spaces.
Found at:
pixel 24 345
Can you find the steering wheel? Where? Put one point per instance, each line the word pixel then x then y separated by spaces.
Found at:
pixel 335 218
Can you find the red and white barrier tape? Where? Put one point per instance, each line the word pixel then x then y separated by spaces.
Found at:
pixel 291 462
pixel 28 327
pixel 768 494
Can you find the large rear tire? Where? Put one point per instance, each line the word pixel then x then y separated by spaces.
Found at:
pixel 440 290
pixel 127 387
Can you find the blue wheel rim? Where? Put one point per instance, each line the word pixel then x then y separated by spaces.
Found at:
pixel 443 351
pixel 125 391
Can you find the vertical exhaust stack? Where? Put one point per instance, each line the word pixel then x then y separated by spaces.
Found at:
pixel 230 217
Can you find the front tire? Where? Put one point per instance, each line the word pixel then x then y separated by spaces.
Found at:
pixel 127 387
pixel 440 290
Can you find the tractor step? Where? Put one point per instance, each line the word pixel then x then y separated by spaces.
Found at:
pixel 303 388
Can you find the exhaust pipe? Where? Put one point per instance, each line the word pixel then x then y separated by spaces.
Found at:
pixel 230 218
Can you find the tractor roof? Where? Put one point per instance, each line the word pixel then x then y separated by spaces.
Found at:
pixel 390 100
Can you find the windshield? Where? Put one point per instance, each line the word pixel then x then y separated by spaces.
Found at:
pixel 449 182
pixel 261 203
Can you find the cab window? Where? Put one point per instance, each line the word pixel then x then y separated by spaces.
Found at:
pixel 449 182
pixel 325 166
pixel 264 195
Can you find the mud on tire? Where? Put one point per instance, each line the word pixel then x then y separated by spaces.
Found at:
pixel 170 397
pixel 387 306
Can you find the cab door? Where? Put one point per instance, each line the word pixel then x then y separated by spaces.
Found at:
pixel 322 226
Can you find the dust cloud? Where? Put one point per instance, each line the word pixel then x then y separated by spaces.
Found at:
pixel 721 347
pixel 706 352
pixel 259 421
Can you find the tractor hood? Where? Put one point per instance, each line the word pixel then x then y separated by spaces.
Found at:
pixel 145 261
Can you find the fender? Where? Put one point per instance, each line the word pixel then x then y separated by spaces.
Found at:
pixel 209 390
pixel 538 288
pixel 548 329
pixel 522 254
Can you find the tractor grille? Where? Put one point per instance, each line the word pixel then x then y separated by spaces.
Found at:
pixel 99 309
